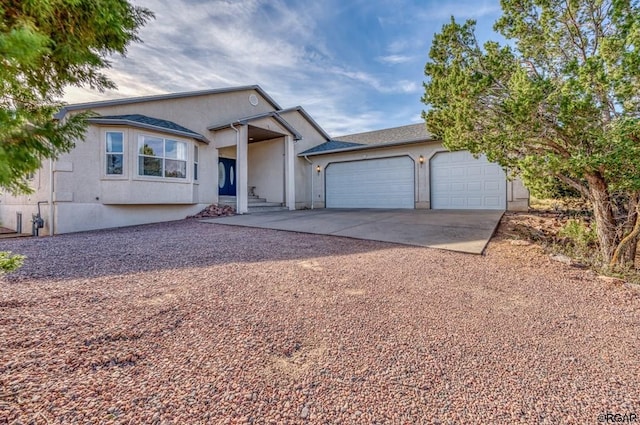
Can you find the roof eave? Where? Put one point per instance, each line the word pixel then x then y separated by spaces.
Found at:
pixel 131 123
pixel 367 147
pixel 289 127
pixel 140 99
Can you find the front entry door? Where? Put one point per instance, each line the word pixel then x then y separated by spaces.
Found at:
pixel 227 177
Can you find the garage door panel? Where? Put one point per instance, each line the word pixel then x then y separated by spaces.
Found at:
pixel 373 183
pixel 492 185
pixel 458 202
pixel 440 187
pixel 446 171
pixel 495 201
pixel 474 186
pixel 474 202
pixel 460 181
pixel 475 171
pixel 457 171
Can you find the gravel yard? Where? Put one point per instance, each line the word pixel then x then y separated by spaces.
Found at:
pixel 187 323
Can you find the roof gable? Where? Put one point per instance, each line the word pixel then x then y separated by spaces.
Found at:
pixel 307 117
pixel 244 121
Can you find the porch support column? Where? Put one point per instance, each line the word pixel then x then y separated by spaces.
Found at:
pixel 290 171
pixel 242 170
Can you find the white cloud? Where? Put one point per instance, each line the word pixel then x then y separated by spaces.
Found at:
pixel 395 59
pixel 399 45
pixel 356 122
pixel 407 86
pixel 380 85
pixel 441 11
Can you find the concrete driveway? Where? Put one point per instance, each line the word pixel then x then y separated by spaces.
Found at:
pixel 454 230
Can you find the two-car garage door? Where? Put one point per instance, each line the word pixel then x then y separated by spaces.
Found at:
pixel 457 181
pixel 371 183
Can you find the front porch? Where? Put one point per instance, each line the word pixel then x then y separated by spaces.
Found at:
pixel 256 163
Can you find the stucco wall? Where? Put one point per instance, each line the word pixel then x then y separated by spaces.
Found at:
pixel 266 169
pixel 27 204
pixel 76 217
pixel 8 217
pixel 196 113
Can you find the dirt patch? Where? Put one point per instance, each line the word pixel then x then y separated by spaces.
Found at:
pixel 543 228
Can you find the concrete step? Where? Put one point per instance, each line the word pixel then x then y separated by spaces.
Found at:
pixel 255 204
pixel 279 207
pixel 223 199
pixel 263 203
pixel 231 197
pixel 231 200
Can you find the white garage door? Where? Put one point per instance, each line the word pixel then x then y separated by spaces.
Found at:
pixel 371 183
pixel 459 181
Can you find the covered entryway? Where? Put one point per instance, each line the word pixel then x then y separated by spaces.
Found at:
pixel 264 160
pixel 460 181
pixel 371 183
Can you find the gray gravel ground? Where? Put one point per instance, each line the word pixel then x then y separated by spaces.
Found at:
pixel 186 323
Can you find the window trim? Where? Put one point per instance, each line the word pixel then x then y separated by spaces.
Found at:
pixel 125 153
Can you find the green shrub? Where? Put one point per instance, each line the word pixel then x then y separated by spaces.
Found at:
pixel 580 240
pixel 10 262
pixel 549 187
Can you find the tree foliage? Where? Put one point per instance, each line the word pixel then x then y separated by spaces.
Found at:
pixel 559 102
pixel 45 46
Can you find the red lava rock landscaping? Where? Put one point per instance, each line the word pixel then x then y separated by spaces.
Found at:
pixel 187 323
pixel 214 211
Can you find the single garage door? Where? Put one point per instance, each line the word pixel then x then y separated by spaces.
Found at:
pixel 371 183
pixel 460 181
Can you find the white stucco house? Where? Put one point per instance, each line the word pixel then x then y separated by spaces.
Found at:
pixel 161 158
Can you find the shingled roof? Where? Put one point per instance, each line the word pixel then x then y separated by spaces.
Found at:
pixel 408 134
pixel 331 145
pixel 143 121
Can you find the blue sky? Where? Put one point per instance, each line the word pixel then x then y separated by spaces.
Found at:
pixel 354 65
